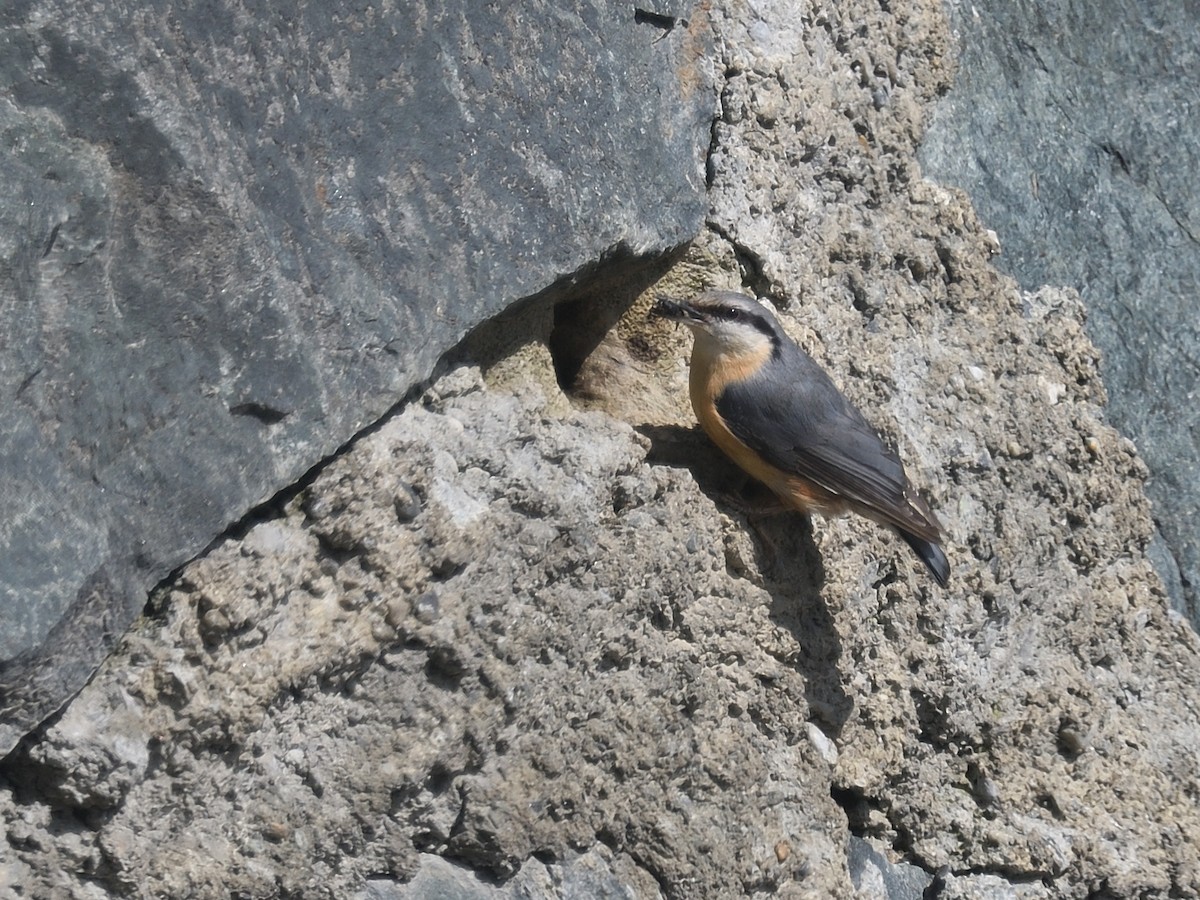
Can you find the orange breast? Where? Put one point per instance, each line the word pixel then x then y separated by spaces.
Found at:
pixel 709 376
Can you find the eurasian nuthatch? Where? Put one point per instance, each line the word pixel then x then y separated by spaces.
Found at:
pixel 771 409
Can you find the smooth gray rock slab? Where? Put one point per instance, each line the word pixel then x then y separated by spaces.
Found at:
pixel 233 234
pixel 877 878
pixel 1075 128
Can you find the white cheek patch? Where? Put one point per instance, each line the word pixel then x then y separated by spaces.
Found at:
pixel 740 340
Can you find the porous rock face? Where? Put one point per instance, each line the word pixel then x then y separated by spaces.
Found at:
pixel 233 234
pixel 496 649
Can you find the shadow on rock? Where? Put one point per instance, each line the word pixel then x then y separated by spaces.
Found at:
pixel 786 560
pixel 794 576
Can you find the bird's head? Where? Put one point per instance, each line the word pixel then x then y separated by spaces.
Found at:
pixel 725 323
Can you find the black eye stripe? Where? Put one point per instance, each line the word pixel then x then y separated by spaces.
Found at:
pixel 737 314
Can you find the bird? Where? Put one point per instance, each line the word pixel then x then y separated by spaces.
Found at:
pixel 777 414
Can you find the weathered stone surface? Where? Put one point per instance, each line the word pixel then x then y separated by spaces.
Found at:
pixel 1075 128
pixel 588 876
pixel 234 234
pixel 508 674
pixel 516 635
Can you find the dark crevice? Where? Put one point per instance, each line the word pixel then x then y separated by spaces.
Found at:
pixel 666 23
pixel 53 236
pixel 714 140
pixel 753 278
pixel 937 886
pixel 27 381
pixel 710 169
pixel 1110 150
pixel 855 805
pixel 586 307
pixel 337 551
pixel 445 669
pixel 268 415
pixel 1010 874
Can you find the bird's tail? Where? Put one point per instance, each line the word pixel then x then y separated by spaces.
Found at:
pixel 931 554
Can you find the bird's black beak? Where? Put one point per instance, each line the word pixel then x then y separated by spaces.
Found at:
pixel 675 311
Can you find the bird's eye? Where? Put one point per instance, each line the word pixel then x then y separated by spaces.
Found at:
pixel 731 314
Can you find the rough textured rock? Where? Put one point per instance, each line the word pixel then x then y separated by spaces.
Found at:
pixel 543 642
pixel 453 642
pixel 1074 129
pixel 588 875
pixel 234 234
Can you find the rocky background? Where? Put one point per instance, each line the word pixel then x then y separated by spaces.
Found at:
pixel 520 640
pixel 1074 129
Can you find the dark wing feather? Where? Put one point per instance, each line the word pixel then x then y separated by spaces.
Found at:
pixel 807 428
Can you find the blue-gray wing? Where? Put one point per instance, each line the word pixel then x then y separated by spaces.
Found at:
pixel 806 427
